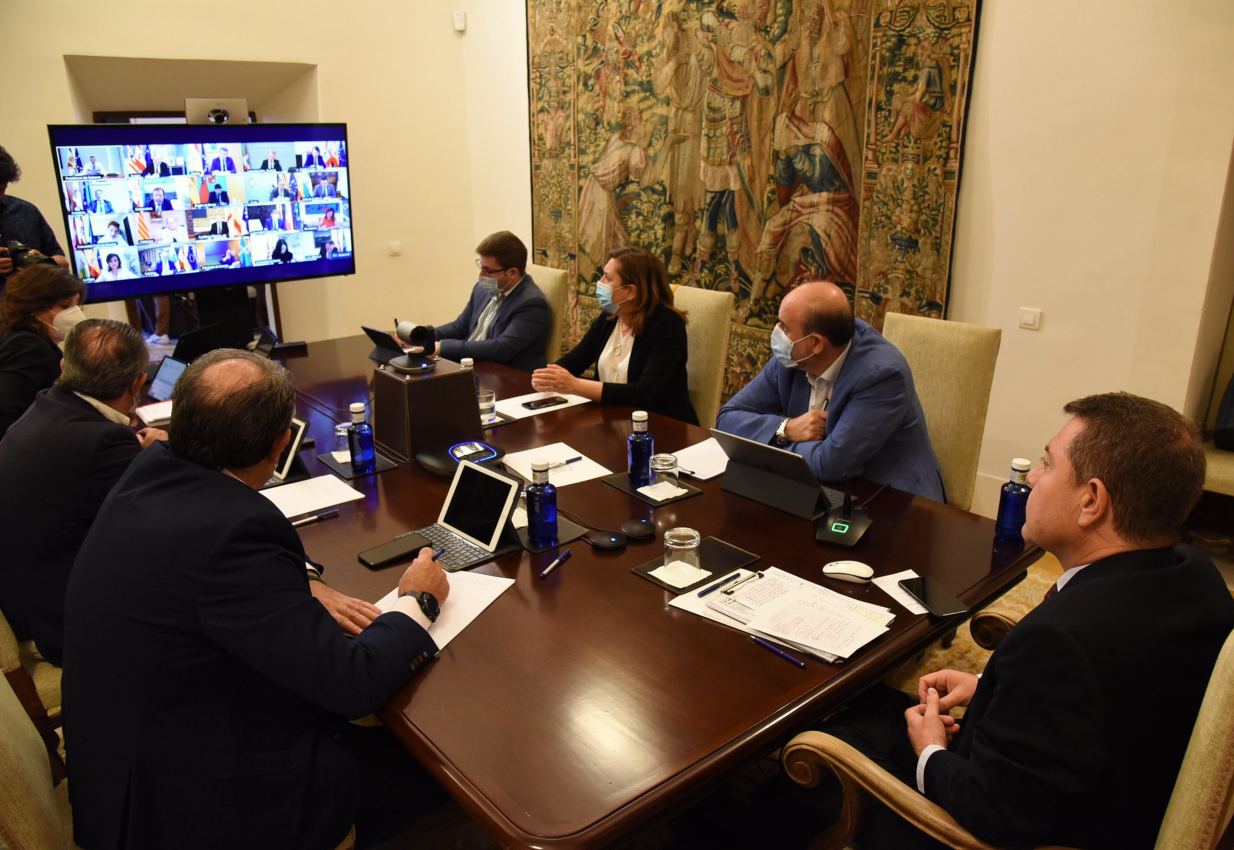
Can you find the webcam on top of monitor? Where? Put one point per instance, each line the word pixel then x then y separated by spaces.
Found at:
pixel 216 110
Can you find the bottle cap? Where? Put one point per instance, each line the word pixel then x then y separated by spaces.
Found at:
pixel 467 363
pixel 639 416
pixel 539 466
pixel 1021 464
pixel 357 407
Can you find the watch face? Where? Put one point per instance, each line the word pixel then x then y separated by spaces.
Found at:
pixel 428 604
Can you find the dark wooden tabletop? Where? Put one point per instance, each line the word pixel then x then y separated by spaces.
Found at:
pixel 578 708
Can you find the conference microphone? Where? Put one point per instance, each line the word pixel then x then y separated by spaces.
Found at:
pixel 845 525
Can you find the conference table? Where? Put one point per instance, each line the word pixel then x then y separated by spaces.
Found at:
pixel 578 709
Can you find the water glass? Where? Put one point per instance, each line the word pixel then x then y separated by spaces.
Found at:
pixel 487 399
pixel 664 468
pixel 681 544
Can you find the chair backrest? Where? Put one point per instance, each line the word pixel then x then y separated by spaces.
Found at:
pixel 710 324
pixel 953 368
pixel 1203 797
pixel 552 283
pixel 30 817
pixel 10 653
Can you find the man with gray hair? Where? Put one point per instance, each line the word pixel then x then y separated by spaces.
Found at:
pixel 58 462
pixel 225 722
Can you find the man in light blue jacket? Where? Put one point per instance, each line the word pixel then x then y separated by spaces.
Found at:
pixel 839 395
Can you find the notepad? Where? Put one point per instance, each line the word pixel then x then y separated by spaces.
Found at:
pixel 304 497
pixel 584 469
pixel 703 461
pixel 470 594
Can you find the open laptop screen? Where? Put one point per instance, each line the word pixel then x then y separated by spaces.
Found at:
pixel 478 504
pixel 165 379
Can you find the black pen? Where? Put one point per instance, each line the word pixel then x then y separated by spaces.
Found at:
pixel 729 590
pixel 561 559
pixel 766 644
pixel 309 520
pixel 719 584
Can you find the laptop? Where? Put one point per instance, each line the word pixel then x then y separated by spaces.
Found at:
pixel 265 343
pixel 165 379
pixel 286 471
pixel 474 517
pixel 780 463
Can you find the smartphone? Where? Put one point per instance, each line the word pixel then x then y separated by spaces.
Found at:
pixel 402 548
pixel 937 599
pixel 547 401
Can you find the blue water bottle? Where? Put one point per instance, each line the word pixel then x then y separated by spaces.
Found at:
pixel 1012 503
pixel 640 446
pixel 360 441
pixel 541 507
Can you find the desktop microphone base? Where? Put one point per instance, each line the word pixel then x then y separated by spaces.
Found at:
pixel 841 528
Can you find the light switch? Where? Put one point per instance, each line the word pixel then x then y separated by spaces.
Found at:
pixel 460 21
pixel 1030 318
pixel 395 249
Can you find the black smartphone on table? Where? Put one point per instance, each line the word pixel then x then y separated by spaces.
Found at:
pixel 402 548
pixel 937 599
pixel 547 401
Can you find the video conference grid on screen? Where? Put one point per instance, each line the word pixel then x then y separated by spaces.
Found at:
pixel 154 210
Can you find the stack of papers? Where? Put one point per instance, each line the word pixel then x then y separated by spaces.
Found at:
pixel 794 612
pixel 155 414
pixel 582 469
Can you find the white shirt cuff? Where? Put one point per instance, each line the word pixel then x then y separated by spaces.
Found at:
pixel 409 606
pixel 930 750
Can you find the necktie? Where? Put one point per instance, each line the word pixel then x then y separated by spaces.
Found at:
pixel 485 320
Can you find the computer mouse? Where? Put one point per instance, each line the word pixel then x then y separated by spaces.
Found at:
pixel 605 539
pixel 639 529
pixel 854 571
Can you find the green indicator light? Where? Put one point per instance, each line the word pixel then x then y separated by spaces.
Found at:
pixel 839 527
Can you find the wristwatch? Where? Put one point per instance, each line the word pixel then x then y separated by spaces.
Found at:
pixel 428 604
pixel 781 437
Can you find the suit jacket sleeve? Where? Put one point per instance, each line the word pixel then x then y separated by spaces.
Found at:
pixel 255 603
pixel 1038 742
pixel 585 355
pixel 757 410
pixel 873 412
pixel 664 337
pixel 458 329
pixel 527 323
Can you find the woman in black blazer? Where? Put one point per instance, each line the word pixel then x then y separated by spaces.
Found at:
pixel 29 357
pixel 637 345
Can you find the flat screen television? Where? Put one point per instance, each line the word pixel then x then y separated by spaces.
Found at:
pixel 156 208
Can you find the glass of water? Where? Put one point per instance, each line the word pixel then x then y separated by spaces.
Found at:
pixel 681 544
pixel 664 468
pixel 487 399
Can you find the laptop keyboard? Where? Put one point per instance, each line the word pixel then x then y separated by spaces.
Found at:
pixel 459 553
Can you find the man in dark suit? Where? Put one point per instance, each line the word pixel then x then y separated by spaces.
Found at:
pixel 159 200
pixel 205 690
pixel 271 163
pixel 507 318
pixel 838 394
pixel 1075 731
pixel 223 162
pixel 58 462
pixel 218 196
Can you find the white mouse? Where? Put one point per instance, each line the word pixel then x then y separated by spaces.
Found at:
pixel 854 571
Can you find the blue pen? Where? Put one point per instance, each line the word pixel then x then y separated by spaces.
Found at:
pixel 719 584
pixel 561 559
pixel 766 644
pixel 562 463
pixel 437 555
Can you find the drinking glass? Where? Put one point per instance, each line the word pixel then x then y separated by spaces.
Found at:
pixel 681 544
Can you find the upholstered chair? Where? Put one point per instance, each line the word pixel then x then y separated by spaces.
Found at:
pixel 34 814
pixel 37 685
pixel 953 368
pixel 552 283
pixel 709 324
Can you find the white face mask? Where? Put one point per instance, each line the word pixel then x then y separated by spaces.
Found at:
pixel 66 320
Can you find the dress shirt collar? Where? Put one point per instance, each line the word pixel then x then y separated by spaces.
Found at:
pixel 501 296
pixel 820 385
pixel 108 412
pixel 1068 576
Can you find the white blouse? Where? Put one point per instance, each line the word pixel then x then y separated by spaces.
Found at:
pixel 614 364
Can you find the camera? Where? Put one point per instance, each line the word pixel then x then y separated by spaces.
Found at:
pixel 24 256
pixel 218 116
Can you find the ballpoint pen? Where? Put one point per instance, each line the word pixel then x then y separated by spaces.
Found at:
pixel 437 555
pixel 561 559
pixel 309 520
pixel 766 644
pixel 729 590
pixel 719 584
pixel 561 463
pixel 689 472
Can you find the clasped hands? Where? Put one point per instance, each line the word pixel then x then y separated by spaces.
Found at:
pixel 553 379
pixel 354 615
pixel 939 692
pixel 811 425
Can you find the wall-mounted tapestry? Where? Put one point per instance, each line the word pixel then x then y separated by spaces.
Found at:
pixel 753 145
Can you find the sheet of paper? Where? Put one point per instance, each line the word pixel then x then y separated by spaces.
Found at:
pixel 561 476
pixel 343 456
pixel 158 412
pixel 835 632
pixel 703 460
pixel 662 490
pixel 892 589
pixel 305 497
pixel 470 594
pixel 679 574
pixel 518 518
pixel 512 408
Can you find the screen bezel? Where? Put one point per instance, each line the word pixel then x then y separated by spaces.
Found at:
pixel 507 509
pixel 79 135
pixel 162 365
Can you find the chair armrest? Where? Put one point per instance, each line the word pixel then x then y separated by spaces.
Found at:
pixel 990 625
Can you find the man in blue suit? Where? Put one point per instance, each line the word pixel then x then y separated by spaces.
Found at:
pixel 223 162
pixel 225 724
pixel 839 395
pixel 507 318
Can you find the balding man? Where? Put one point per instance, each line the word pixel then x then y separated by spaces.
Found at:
pixel 205 690
pixel 58 462
pixel 839 395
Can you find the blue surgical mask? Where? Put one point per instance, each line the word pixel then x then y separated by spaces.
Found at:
pixel 782 347
pixel 488 285
pixel 604 295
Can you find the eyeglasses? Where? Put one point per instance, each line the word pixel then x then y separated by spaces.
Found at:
pixel 488 271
